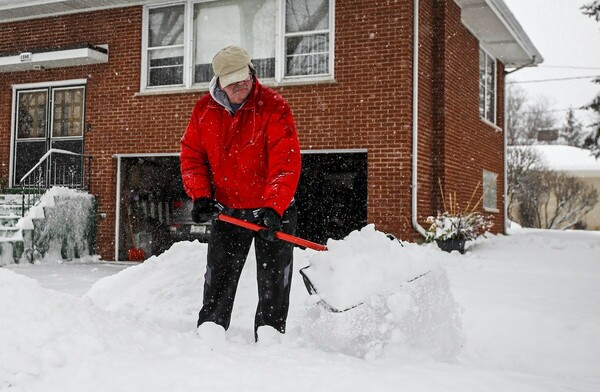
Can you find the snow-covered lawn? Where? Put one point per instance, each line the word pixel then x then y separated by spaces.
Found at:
pixel 516 313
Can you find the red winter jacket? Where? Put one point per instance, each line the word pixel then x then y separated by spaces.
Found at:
pixel 251 158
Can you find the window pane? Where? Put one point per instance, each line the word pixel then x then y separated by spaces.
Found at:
pixel 307 55
pixel 166 26
pixel 487 86
pixel 68 113
pixel 306 15
pixel 490 189
pixel 481 83
pixel 250 24
pixel 165 46
pixel 165 67
pixel 491 90
pixel 32 114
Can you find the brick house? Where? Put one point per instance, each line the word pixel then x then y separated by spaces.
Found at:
pixel 391 98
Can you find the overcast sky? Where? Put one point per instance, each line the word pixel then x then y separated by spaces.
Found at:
pixel 570 44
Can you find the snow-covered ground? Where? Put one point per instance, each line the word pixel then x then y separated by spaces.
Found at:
pixel 516 313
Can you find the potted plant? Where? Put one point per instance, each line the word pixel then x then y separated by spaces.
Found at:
pixel 452 228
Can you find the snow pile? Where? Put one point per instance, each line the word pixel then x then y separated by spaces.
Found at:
pixel 365 263
pixel 528 309
pixel 165 290
pixel 365 268
pixel 419 321
pixel 397 317
pixel 45 332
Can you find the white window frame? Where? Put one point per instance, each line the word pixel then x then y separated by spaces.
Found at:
pixel 490 189
pixel 487 116
pixel 188 66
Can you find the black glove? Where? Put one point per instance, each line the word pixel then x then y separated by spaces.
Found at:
pixel 270 218
pixel 204 210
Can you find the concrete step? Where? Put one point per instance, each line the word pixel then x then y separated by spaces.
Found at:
pixel 9 220
pixel 11 199
pixel 10 234
pixel 10 205
pixel 10 210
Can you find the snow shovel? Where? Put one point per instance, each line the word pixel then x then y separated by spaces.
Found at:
pixel 280 235
pixel 294 240
pixel 135 254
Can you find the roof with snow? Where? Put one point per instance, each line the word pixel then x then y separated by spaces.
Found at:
pixel 568 158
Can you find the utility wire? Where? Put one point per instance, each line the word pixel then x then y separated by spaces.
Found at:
pixel 568 67
pixel 552 80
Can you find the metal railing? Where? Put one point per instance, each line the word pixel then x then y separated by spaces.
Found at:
pixel 55 168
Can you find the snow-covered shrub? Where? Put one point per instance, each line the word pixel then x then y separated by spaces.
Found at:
pixel 456 223
pixel 63 225
pixel 446 226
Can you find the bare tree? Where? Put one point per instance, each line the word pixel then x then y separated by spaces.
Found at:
pixel 592 9
pixel 572 198
pixel 517 98
pixel 538 197
pixel 520 161
pixel 526 116
pixel 535 192
pixel 538 116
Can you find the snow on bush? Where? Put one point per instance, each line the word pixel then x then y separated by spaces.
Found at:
pixel 61 221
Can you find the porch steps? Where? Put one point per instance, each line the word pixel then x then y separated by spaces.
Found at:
pixel 11 236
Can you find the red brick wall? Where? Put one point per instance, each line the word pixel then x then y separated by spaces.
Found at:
pixel 455 144
pixel 471 143
pixel 369 106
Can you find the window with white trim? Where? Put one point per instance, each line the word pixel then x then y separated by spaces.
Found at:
pixel 490 191
pixel 487 86
pixel 287 39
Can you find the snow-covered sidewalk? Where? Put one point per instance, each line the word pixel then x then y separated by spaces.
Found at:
pixel 516 313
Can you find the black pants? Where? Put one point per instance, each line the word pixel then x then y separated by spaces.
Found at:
pixel 228 248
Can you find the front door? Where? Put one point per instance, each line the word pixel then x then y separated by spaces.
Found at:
pixel 49 118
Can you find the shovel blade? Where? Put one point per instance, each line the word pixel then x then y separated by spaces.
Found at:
pixel 310 287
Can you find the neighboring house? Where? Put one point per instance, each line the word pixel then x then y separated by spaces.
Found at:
pixel 391 99
pixel 579 163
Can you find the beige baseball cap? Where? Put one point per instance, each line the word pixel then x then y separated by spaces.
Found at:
pixel 231 64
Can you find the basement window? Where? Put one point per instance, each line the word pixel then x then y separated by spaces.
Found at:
pixel 490 191
pixel 288 41
pixel 487 86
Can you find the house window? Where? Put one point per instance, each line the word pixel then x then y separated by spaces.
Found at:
pixel 48 116
pixel 487 86
pixel 166 46
pixel 287 39
pixel 306 37
pixel 490 191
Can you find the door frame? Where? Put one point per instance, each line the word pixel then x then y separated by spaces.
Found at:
pixel 33 86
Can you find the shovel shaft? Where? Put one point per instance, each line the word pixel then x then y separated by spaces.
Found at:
pixel 281 235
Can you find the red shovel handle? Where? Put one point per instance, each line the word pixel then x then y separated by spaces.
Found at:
pixel 282 236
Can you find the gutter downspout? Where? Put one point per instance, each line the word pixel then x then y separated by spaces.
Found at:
pixel 415 123
pixel 505 163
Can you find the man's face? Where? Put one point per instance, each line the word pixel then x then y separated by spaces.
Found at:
pixel 238 92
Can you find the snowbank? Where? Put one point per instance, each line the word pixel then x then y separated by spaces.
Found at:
pixel 528 309
pixel 366 268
